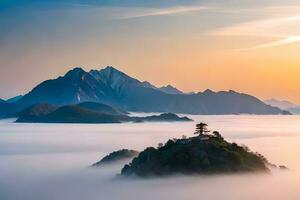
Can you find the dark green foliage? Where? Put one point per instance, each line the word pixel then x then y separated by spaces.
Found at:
pixel 116 156
pixel 195 155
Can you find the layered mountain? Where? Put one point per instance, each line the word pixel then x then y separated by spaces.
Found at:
pixel 102 108
pixel 75 114
pixel 285 105
pixel 34 112
pixel 88 112
pixel 294 110
pixel 113 87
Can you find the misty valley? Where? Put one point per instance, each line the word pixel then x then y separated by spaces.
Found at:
pixel 52 161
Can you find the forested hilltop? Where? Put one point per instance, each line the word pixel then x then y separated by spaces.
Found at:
pixel 206 153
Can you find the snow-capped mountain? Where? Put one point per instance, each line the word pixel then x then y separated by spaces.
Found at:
pixel 118 80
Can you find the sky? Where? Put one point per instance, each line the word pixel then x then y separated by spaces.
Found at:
pixel 251 46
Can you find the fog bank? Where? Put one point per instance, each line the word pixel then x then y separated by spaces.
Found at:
pixel 50 161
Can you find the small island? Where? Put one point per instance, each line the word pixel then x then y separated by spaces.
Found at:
pixel 206 153
pixel 168 117
pixel 116 156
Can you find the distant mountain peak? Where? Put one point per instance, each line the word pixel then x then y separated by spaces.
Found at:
pixel 232 91
pixel 208 91
pixel 112 70
pixel 113 77
pixel 169 89
pixel 109 72
pixel 147 84
pixel 283 104
pixel 75 72
pixel 282 101
pixel 118 79
pixel 169 86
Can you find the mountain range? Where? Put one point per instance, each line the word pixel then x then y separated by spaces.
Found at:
pixel 282 104
pixel 115 88
pixel 285 105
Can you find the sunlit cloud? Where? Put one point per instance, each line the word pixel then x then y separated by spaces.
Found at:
pixel 264 28
pixel 283 30
pixel 284 41
pixel 288 40
pixel 270 10
pixel 162 12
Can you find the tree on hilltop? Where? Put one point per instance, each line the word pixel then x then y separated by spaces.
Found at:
pixel 201 129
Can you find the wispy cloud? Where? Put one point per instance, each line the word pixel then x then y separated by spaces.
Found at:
pixel 264 28
pixel 162 12
pixel 278 28
pixel 284 41
pixel 270 10
pixel 287 40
